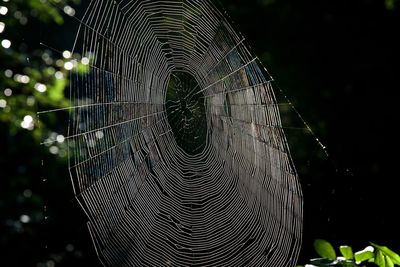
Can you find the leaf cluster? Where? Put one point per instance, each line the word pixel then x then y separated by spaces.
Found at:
pixel 372 255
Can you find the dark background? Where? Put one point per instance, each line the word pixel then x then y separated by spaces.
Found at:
pixel 337 61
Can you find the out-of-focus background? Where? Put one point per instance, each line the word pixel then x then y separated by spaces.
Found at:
pixel 337 61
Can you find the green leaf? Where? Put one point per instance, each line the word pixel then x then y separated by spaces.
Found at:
pixel 389 262
pixel 380 259
pixel 347 252
pixel 364 255
pixel 324 249
pixel 395 258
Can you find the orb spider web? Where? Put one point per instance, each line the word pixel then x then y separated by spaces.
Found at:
pixel 177 152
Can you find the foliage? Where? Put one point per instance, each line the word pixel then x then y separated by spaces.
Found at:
pixel 391 4
pixel 372 255
pixel 32 78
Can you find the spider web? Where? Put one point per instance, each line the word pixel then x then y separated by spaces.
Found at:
pixel 234 202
